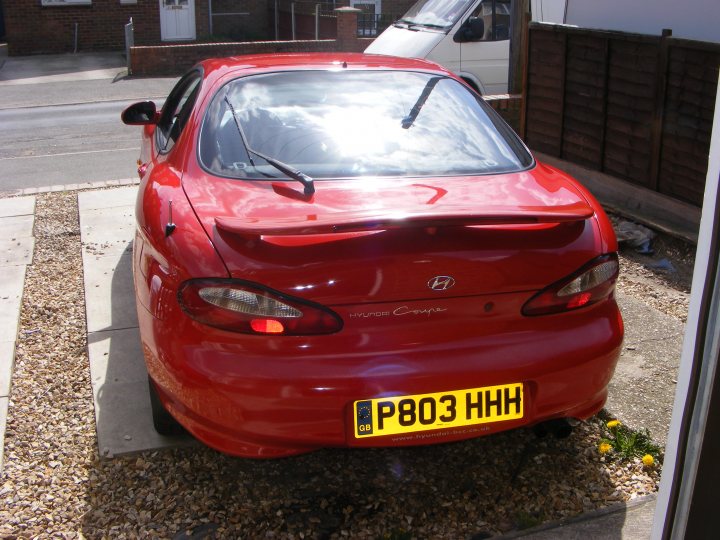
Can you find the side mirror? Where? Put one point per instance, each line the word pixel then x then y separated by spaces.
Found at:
pixel 472 29
pixel 140 114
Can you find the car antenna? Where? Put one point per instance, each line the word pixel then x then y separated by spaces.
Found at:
pixel 292 172
pixel 170 227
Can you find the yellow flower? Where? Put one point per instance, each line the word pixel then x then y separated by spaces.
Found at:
pixel 613 423
pixel 604 448
pixel 648 460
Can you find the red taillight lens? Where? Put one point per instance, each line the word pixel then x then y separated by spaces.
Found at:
pixel 240 306
pixel 592 283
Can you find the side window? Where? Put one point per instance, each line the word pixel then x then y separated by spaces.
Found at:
pixel 176 111
pixel 496 16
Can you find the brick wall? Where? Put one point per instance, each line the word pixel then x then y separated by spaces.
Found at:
pixel 176 59
pixel 32 28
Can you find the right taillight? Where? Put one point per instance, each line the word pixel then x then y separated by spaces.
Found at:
pixel 592 283
pixel 239 306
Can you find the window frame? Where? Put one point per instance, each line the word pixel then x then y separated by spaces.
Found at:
pixel 162 132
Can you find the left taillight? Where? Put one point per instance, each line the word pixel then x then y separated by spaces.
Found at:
pixel 239 306
pixel 590 284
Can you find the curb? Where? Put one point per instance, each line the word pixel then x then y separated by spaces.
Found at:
pixel 69 187
pixel 582 518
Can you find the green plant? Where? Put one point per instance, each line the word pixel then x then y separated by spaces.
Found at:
pixel 627 443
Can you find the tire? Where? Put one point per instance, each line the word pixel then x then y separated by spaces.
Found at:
pixel 163 422
pixel 472 85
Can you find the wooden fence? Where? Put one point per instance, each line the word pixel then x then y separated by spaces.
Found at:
pixel 633 106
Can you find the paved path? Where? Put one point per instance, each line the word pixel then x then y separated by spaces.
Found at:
pixel 16 251
pixel 117 368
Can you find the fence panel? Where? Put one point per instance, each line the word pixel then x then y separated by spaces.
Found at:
pixel 635 107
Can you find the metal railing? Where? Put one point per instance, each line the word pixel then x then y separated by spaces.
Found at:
pixel 371 24
pixel 296 13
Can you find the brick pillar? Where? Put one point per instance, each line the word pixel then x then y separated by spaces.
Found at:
pixel 347 38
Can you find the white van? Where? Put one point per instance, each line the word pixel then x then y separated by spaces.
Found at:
pixel 468 37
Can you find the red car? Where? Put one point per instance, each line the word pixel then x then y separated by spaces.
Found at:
pixel 355 250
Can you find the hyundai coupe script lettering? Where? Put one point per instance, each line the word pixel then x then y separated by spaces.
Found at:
pixel 402 310
pixel 342 249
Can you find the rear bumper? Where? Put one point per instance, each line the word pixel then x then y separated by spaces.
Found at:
pixel 261 396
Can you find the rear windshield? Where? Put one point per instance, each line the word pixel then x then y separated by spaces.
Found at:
pixel 339 124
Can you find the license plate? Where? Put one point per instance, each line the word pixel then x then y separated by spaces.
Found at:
pixel 423 412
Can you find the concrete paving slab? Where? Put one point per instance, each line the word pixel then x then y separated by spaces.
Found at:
pixel 628 521
pixel 13 227
pixel 16 252
pixel 642 392
pixel 109 293
pixel 116 357
pixel 18 206
pixel 7 361
pixel 110 198
pixel 117 368
pixel 124 420
pixel 12 280
pixel 122 404
pixel 4 403
pixel 107 232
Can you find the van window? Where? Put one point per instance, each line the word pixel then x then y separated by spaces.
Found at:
pixel 496 15
pixel 440 14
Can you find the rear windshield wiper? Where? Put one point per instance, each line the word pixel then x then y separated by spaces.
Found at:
pixel 289 170
pixel 409 120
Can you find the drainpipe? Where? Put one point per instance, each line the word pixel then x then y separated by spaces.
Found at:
pixel 317 22
pixel 292 17
pixel 277 22
pixel 210 21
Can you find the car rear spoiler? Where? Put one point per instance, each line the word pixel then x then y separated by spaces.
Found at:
pixel 334 223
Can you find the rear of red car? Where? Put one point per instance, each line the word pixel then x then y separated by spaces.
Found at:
pixel 379 267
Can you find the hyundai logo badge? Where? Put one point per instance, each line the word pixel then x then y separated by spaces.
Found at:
pixel 441 283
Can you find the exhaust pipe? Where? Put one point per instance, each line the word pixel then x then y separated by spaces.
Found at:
pixel 560 428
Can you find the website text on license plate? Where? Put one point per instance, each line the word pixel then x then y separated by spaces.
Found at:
pixel 422 412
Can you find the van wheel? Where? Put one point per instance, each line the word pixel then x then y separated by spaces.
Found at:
pixel 472 85
pixel 163 422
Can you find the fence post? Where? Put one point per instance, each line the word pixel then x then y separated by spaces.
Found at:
pixel 657 125
pixel 347 30
pixel 129 42
pixel 518 9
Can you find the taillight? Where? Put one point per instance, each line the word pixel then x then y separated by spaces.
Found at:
pixel 592 283
pixel 240 306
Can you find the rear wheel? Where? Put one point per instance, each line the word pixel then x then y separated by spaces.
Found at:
pixel 163 421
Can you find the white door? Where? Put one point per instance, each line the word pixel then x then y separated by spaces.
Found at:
pixel 177 19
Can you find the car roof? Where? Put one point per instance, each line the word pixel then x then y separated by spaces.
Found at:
pixel 218 67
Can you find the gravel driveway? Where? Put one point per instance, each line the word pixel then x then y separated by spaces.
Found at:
pixel 55 485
